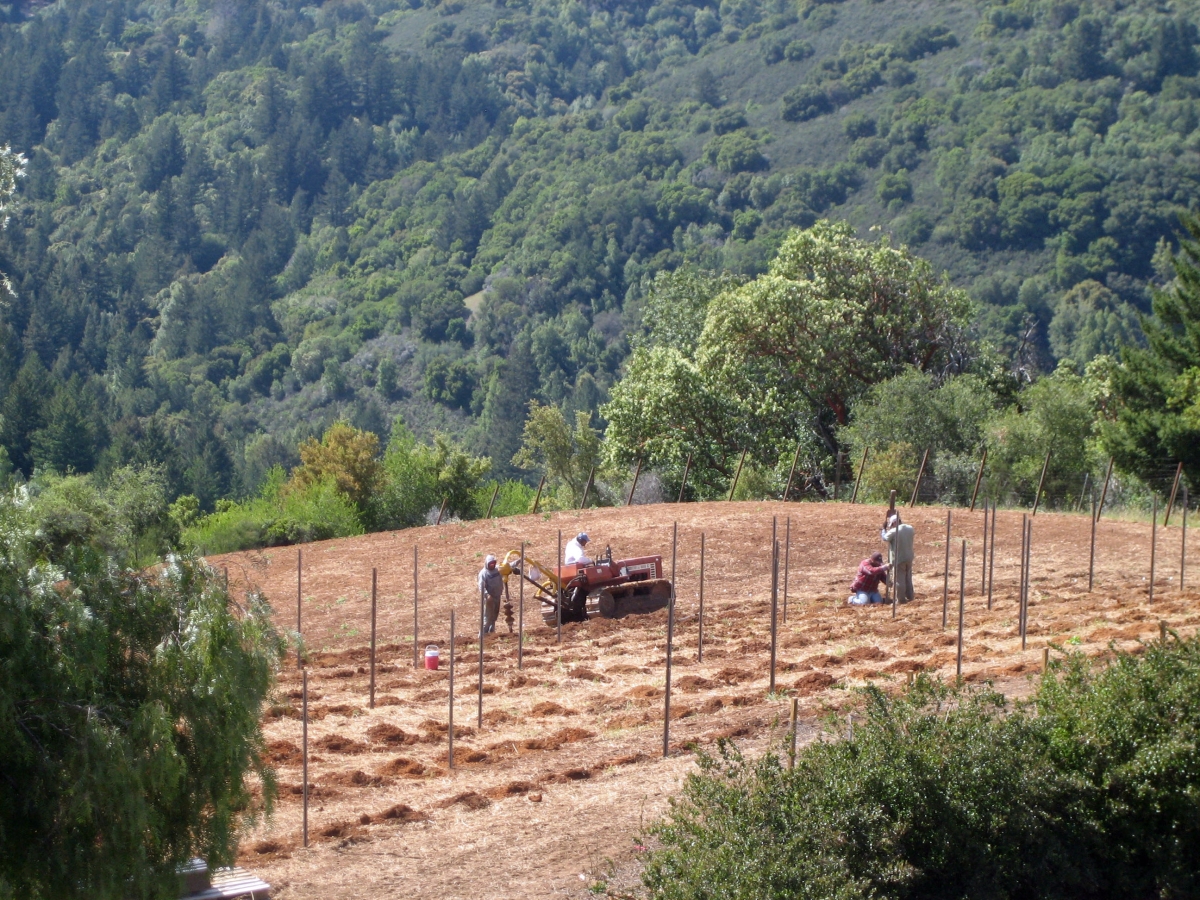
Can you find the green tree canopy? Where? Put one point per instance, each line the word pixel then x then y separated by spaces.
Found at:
pixel 130 706
pixel 1156 389
pixel 786 356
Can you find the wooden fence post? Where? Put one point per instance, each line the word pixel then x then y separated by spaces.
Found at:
pixel 1092 551
pixel 492 505
pixel 1041 483
pixel 442 511
pixel 1104 492
pixel 538 499
pixel 920 475
pixel 1174 492
pixel 978 479
pixel 795 459
pixel 687 467
pixel 858 480
pixel 837 476
pixel 587 487
pixel 633 487
pixel 737 475
pixel 1083 493
pixel 793 724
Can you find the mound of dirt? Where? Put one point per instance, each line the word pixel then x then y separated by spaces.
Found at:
pixel 512 789
pixel 864 654
pixel 391 735
pixel 693 683
pixel 357 778
pixel 813 682
pixel 282 753
pixel 402 765
pixel 469 799
pixel 337 743
pixel 550 708
pixel 645 692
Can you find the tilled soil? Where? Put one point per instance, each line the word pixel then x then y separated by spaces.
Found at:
pixel 550 794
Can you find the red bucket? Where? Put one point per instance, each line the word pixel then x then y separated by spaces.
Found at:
pixel 432 655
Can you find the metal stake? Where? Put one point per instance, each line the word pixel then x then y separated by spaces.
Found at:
pixel 1183 539
pixel 450 717
pixel 299 598
pixel 558 612
pixel 1092 551
pixel 700 643
pixel 374 585
pixel 1153 544
pixel 670 647
pixel 962 593
pixel 946 575
pixel 787 555
pixel 521 614
pixel 304 745
pixel 992 558
pixel 983 559
pixel 793 724
pixel 774 610
pixel 482 625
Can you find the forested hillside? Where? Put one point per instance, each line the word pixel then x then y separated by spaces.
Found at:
pixel 240 222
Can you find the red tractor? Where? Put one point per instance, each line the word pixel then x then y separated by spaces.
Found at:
pixel 607 587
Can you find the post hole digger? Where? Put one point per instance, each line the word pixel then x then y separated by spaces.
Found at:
pixel 608 588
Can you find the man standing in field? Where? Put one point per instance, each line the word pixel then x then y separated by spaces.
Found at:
pixel 491 586
pixel 899 538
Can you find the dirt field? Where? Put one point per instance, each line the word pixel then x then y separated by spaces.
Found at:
pixel 549 797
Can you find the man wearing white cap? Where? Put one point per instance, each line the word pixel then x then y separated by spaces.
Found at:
pixel 899 538
pixel 491 585
pixel 575 552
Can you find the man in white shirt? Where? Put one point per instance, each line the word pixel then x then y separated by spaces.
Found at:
pixel 899 538
pixel 575 552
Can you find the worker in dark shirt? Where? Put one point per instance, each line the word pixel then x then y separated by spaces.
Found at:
pixel 865 588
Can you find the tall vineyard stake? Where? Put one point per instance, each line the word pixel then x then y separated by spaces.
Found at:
pixel 1041 483
pixel 858 480
pixel 837 476
pixel 1104 492
pixel 1153 544
pixel 304 745
pixel 538 498
pixel 670 647
pixel 450 716
pixel 442 510
pixel 1083 493
pixel 1174 492
pixel 1183 539
pixel 791 473
pixel 787 559
pixel 920 475
pixel 299 598
pixel 793 722
pixel 521 614
pixel 774 610
pixel 983 559
pixel 482 625
pixel 1028 573
pixel 587 487
pixel 978 479
pixel 374 586
pixel 1021 580
pixel 737 475
pixel 492 505
pixel 700 641
pixel 946 575
pixel 687 467
pixel 1092 551
pixel 992 557
pixel 416 637
pixel 962 593
pixel 633 487
pixel 558 612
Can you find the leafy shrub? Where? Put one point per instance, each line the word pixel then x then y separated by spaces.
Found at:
pixel 805 102
pixel 515 498
pixel 1090 791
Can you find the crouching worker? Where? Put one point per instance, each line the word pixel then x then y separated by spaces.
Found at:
pixel 865 588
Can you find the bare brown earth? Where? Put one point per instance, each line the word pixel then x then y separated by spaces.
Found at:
pixel 550 796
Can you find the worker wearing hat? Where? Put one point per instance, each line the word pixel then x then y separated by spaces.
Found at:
pixel 491 588
pixel 575 550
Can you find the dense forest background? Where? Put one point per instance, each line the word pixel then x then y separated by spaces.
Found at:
pixel 243 221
